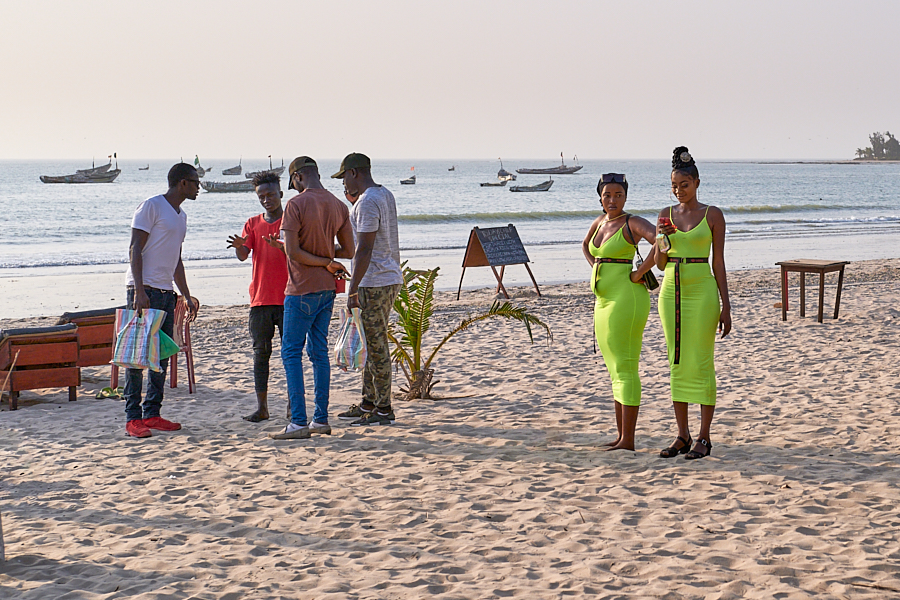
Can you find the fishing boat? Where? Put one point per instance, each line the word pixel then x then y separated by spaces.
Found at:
pixel 493 183
pixel 562 169
pixel 503 174
pixel 541 187
pixel 453 168
pixel 200 170
pixel 147 168
pixel 227 186
pixel 107 177
pixel 409 180
pixel 96 170
pixel 234 170
pixel 275 170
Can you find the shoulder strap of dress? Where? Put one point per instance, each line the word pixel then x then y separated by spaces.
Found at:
pixel 707 211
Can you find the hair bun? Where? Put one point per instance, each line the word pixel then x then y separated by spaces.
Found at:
pixel 681 158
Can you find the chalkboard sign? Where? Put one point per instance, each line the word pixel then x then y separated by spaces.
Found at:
pixel 495 247
pixel 501 245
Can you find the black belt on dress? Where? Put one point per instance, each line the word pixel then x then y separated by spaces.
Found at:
pixel 678 262
pixel 624 261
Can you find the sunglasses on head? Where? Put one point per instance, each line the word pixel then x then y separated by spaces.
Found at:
pixel 612 178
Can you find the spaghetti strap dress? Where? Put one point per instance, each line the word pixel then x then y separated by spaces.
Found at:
pixel 620 314
pixel 690 328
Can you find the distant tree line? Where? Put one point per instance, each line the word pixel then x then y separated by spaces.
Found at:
pixel 884 147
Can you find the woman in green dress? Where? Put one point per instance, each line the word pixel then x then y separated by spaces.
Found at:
pixel 689 302
pixel 623 304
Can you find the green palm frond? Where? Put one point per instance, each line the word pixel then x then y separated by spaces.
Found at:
pixel 505 310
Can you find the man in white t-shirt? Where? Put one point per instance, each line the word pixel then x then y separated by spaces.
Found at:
pixel 157 232
pixel 375 283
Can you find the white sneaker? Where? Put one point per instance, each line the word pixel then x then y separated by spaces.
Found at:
pixel 291 432
pixel 321 428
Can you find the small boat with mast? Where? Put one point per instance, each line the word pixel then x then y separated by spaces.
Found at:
pixel 560 170
pixel 236 170
pixel 100 174
pixel 411 180
pixel 503 174
pixel 275 170
pixel 541 187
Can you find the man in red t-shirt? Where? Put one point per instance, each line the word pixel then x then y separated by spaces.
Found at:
pixel 267 284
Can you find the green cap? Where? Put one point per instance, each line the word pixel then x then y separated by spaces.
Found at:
pixel 353 161
pixel 297 164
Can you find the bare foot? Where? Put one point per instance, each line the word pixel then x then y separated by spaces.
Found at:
pixel 615 442
pixel 621 446
pixel 257 417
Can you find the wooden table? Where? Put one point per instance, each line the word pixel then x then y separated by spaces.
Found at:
pixel 804 266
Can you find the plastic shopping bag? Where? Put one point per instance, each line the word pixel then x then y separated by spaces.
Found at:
pixel 137 339
pixel 350 348
pixel 167 346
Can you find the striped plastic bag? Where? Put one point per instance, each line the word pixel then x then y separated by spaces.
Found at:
pixel 350 347
pixel 137 339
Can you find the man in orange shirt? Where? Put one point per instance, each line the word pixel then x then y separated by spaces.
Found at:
pixel 266 285
pixel 312 220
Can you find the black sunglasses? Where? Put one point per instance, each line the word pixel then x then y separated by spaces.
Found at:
pixel 612 178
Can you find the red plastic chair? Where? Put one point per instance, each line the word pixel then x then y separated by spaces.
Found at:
pixel 182 337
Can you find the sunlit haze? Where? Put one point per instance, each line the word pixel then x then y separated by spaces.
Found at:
pixel 462 79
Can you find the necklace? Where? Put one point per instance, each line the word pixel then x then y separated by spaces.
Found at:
pixel 608 220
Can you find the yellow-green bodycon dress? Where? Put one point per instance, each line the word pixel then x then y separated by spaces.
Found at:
pixel 620 314
pixel 693 375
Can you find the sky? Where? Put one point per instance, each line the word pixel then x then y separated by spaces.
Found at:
pixel 629 79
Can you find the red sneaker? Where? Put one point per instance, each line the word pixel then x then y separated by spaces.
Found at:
pixel 136 428
pixel 161 424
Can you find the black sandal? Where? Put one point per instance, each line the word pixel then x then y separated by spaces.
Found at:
pixel 672 451
pixel 693 454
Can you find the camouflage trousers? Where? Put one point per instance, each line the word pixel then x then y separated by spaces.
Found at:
pixel 376 304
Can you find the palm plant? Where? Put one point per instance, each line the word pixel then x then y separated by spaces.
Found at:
pixel 414 308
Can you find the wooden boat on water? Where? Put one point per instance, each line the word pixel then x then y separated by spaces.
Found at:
pixel 107 177
pixel 493 183
pixel 147 168
pixel 541 187
pixel 234 170
pixel 276 170
pixel 503 174
pixel 227 186
pixel 409 180
pixel 453 168
pixel 560 170
pixel 96 170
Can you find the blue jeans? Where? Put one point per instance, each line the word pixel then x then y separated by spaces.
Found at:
pixel 134 378
pixel 306 318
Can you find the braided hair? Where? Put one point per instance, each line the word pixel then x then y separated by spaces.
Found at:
pixel 683 162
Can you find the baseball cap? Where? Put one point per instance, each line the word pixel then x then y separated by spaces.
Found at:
pixel 354 160
pixel 297 164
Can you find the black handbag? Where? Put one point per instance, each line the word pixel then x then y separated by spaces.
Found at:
pixel 648 278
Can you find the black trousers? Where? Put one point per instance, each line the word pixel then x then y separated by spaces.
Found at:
pixel 263 320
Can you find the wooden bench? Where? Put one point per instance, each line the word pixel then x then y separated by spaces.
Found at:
pixel 804 266
pixel 39 358
pixel 96 338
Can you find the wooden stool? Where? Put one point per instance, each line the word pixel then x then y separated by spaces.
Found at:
pixel 803 267
pixel 39 358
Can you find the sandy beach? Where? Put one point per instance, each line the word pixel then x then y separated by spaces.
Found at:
pixel 500 489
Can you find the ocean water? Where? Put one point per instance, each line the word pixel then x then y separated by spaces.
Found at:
pixel 51 227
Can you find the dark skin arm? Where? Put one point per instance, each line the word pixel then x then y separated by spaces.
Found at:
pixel 642 229
pixel 592 231
pixel 181 282
pixel 716 221
pixel 240 250
pixel 366 243
pixel 291 247
pixel 136 258
pixel 662 258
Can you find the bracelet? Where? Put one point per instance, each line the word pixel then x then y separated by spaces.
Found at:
pixel 353 294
